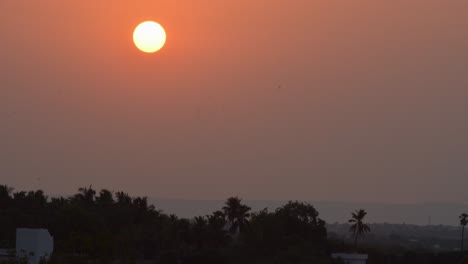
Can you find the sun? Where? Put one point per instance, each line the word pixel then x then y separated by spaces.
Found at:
pixel 149 36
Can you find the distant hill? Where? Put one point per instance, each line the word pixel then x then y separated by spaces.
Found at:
pixel 416 214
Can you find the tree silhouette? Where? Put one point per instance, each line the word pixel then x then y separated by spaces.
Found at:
pixel 123 199
pixel 5 197
pixel 237 214
pixel 358 228
pixel 294 226
pixel 85 196
pixel 216 223
pixel 101 226
pixel 105 198
pixel 199 231
pixel 463 222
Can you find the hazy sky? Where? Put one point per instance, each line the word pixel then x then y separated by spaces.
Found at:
pixel 267 99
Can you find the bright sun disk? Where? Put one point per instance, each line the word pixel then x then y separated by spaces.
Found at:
pixel 149 36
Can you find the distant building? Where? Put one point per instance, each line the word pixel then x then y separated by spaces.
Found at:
pixel 351 258
pixel 35 244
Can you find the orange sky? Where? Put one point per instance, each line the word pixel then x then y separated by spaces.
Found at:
pixel 267 99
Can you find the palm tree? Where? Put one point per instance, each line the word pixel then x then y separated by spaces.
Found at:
pixel 105 198
pixel 358 228
pixel 237 214
pixel 85 195
pixel 123 199
pixel 463 222
pixel 216 223
pixel 216 220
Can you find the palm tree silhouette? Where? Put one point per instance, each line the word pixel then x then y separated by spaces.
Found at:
pixel 463 222
pixel 358 228
pixel 237 214
pixel 85 195
pixel 216 222
pixel 105 198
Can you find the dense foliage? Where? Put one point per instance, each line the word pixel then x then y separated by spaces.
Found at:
pixel 104 226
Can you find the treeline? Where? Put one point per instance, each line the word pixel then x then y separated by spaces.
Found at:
pixel 102 226
pixel 112 227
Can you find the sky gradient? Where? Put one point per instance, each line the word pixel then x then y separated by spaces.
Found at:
pixel 266 99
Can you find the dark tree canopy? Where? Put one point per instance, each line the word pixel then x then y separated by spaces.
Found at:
pixel 102 226
pixel 105 225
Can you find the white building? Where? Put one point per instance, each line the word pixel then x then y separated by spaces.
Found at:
pixel 35 244
pixel 351 258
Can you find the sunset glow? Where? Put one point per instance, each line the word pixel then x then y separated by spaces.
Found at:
pixel 149 36
pixel 313 100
